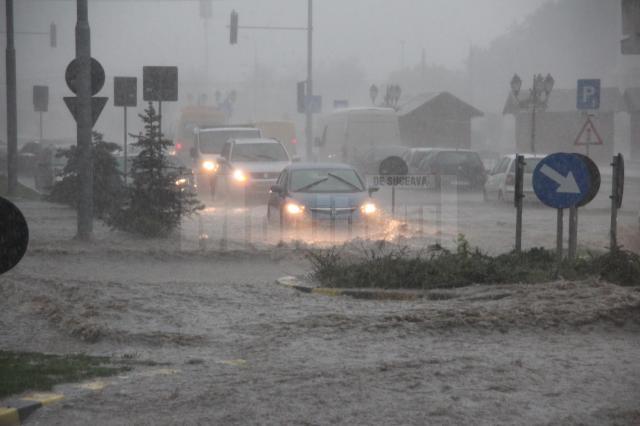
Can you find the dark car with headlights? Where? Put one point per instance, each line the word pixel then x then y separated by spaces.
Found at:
pixel 320 193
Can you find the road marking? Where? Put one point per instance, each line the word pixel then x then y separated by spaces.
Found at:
pixel 44 398
pixel 94 386
pixel 9 416
pixel 568 184
pixel 235 362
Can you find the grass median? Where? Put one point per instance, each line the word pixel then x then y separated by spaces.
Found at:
pixel 21 371
pixel 438 267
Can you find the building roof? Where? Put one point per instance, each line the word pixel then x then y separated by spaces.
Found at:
pixel 632 99
pixel 422 99
pixel 564 100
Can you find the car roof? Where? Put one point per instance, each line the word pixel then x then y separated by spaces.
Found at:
pixel 526 155
pixel 225 129
pixel 316 166
pixel 242 141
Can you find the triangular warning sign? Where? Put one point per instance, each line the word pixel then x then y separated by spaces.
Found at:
pixel 588 135
pixel 97 104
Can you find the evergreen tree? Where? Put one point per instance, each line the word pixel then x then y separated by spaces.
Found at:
pixel 154 205
pixel 108 187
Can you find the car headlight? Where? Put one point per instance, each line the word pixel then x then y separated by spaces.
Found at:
pixel 368 208
pixel 239 176
pixel 210 166
pixel 181 181
pixel 294 209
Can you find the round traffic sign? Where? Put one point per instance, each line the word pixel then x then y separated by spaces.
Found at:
pixel 14 235
pixel 393 166
pixel 97 76
pixel 562 180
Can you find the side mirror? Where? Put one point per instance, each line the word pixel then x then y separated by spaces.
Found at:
pixel 277 189
pixel 372 190
pixel 194 152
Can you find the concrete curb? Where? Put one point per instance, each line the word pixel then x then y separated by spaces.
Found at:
pixel 367 294
pixel 18 410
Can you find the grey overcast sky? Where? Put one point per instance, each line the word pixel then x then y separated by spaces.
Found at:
pixel 129 33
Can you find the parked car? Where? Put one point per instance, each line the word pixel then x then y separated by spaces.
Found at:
pixel 464 164
pixel 369 163
pixel 250 167
pixel 319 192
pixel 501 180
pixel 414 156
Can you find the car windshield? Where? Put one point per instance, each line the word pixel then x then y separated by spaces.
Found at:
pixel 259 152
pixel 326 180
pixel 457 158
pixel 212 141
pixel 417 157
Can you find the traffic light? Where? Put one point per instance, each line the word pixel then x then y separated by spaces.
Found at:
pixel 53 35
pixel 302 95
pixel 233 34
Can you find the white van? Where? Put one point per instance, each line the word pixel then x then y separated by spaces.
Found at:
pixel 347 135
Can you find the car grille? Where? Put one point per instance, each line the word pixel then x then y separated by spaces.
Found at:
pixel 327 211
pixel 265 175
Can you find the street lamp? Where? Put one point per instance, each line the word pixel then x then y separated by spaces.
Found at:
pixel 538 98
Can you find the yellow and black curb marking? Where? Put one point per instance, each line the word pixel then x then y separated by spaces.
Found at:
pixel 17 411
pixel 369 294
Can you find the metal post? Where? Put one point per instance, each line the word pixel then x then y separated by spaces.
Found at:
pixel 159 120
pixel 573 232
pixel 309 116
pixel 613 232
pixel 559 232
pixel 518 200
pixel 12 116
pixel 84 122
pixel 421 219
pixel 41 132
pixel 393 201
pixel 126 165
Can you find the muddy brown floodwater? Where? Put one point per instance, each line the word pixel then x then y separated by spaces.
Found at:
pixel 233 348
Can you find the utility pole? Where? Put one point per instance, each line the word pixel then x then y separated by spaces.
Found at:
pixel 12 116
pixel 308 112
pixel 84 123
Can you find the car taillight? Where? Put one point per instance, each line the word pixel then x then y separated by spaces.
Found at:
pixel 510 179
pixel 179 145
pixel 294 141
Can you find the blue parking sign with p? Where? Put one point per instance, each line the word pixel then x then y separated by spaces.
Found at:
pixel 588 95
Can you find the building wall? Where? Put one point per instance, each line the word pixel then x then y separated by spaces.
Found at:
pixel 431 131
pixel 557 132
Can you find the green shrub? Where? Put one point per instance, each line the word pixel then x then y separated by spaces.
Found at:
pixel 438 267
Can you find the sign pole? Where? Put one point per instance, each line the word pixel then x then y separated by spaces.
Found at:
pixel 12 115
pixel 126 165
pixel 159 120
pixel 84 122
pixel 41 125
pixel 617 186
pixel 393 201
pixel 573 232
pixel 518 195
pixel 559 232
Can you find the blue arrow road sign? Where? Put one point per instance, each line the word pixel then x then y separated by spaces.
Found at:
pixel 588 95
pixel 562 180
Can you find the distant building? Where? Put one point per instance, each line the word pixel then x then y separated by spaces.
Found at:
pixel 632 101
pixel 436 120
pixel 559 123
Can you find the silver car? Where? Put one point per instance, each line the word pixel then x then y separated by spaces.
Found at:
pixel 500 183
